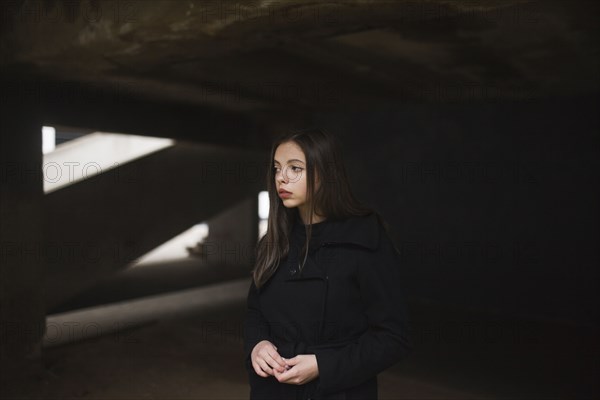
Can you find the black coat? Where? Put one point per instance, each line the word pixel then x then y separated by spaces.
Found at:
pixel 346 307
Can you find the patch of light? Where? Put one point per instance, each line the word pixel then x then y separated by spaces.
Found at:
pixel 262 227
pixel 263 213
pixel 93 322
pixel 92 154
pixel 48 139
pixel 175 248
pixel 263 205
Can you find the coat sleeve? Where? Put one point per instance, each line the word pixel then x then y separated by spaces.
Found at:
pixel 387 340
pixel 256 328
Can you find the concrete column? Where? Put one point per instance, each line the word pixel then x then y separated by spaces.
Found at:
pixel 232 235
pixel 22 316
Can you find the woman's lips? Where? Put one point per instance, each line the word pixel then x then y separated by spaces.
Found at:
pixel 284 194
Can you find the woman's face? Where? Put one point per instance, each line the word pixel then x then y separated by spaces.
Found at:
pixel 290 175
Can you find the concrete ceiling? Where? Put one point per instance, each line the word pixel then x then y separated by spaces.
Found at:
pixel 282 59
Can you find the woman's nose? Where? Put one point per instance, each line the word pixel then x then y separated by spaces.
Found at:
pixel 280 176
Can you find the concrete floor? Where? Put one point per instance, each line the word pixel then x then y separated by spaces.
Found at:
pixel 199 356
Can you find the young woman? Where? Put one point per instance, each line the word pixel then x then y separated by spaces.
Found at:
pixel 325 307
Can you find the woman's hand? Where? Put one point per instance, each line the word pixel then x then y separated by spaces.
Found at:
pixel 303 369
pixel 266 360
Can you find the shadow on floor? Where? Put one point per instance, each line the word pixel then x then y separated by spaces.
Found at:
pixel 458 355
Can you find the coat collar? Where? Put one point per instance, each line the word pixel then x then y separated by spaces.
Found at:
pixel 358 230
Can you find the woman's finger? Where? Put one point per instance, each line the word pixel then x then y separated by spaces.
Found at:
pixel 275 359
pixel 265 367
pixel 259 371
pixel 294 360
pixel 271 356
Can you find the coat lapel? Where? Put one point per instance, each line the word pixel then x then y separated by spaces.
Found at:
pixel 310 271
pixel 358 231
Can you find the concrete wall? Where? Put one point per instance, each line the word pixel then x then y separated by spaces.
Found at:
pixel 495 205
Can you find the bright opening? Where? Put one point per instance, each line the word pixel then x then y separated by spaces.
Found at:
pixel 92 154
pixel 263 213
pixel 48 139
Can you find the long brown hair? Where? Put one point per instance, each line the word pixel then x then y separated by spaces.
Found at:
pixel 334 198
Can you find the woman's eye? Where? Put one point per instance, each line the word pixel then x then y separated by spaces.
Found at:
pixel 293 168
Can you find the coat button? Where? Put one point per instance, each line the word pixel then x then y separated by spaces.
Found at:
pixel 293 271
